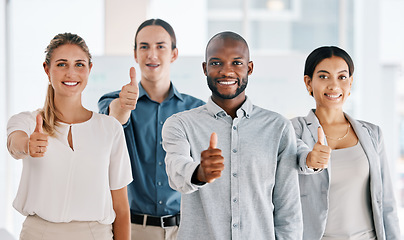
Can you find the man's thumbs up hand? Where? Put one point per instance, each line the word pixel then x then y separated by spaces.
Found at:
pixel 212 162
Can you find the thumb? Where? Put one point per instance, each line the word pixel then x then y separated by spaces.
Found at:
pixel 213 141
pixel 320 134
pixel 39 122
pixel 132 75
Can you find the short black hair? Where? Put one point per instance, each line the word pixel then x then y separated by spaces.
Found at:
pixel 321 53
pixel 227 35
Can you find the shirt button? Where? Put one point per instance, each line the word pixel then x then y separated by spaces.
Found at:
pixel 160 163
pixel 159 183
pixel 161 142
pixel 234 128
pixel 235 225
pixel 234 150
pixel 234 174
pixel 161 122
pixel 160 202
pixel 235 200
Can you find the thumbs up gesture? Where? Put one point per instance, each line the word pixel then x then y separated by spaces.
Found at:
pixel 38 141
pixel 130 92
pixel 318 158
pixel 212 162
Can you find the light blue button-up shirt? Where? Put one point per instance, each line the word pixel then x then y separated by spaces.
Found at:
pixel 149 193
pixel 257 196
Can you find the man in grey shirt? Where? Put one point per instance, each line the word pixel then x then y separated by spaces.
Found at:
pixel 234 163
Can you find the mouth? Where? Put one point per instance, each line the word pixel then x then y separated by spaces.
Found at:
pixel 70 83
pixel 333 96
pixel 227 82
pixel 152 65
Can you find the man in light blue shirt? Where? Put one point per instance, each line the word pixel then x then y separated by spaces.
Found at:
pixel 234 163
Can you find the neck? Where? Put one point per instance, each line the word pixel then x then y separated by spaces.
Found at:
pixel 157 90
pixel 328 116
pixel 71 110
pixel 230 106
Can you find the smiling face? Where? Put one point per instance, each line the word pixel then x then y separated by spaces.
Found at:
pixel 68 70
pixel 227 68
pixel 331 83
pixel 154 54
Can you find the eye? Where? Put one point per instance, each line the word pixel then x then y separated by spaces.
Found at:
pixel 143 47
pixel 160 47
pixel 61 64
pixel 79 64
pixel 343 77
pixel 214 63
pixel 323 77
pixel 237 63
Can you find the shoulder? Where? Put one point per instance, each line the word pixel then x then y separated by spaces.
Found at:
pixel 369 125
pixel 268 115
pixel 191 99
pixel 24 121
pixel 106 120
pixel 188 115
pixel 373 129
pixel 110 95
pixel 26 116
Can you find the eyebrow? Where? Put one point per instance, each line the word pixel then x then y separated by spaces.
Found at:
pixel 65 60
pixel 324 71
pixel 215 58
pixel 145 43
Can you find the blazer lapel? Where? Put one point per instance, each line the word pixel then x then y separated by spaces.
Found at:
pixel 365 140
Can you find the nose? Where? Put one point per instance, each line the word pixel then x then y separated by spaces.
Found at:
pixel 152 53
pixel 70 71
pixel 333 84
pixel 227 70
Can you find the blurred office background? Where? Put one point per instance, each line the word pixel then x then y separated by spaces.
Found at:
pixel 281 33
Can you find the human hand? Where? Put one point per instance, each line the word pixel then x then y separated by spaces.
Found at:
pixel 38 141
pixel 130 92
pixel 212 162
pixel 318 158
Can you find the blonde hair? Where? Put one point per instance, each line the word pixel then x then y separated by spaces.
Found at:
pixel 49 111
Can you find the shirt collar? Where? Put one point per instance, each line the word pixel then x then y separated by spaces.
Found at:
pixel 217 112
pixel 172 92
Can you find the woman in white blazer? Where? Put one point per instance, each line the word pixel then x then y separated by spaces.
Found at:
pixel 344 179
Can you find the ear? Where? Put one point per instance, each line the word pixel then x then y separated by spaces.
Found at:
pixel 307 82
pixel 174 54
pixel 250 67
pixel 135 54
pixel 350 81
pixel 46 68
pixel 204 68
pixel 90 67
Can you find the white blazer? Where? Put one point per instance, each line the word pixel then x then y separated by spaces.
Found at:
pixel 314 187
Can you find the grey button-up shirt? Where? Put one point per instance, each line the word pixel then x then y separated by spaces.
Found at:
pixel 257 196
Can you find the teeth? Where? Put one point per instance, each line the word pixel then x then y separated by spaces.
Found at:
pixel 333 96
pixel 70 83
pixel 227 82
pixel 152 65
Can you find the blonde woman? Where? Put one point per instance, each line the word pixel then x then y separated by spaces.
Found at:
pixel 75 162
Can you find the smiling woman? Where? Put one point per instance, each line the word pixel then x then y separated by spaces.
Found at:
pixel 345 155
pixel 75 162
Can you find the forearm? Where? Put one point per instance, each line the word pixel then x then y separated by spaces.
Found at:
pixel 121 225
pixel 17 144
pixel 116 111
